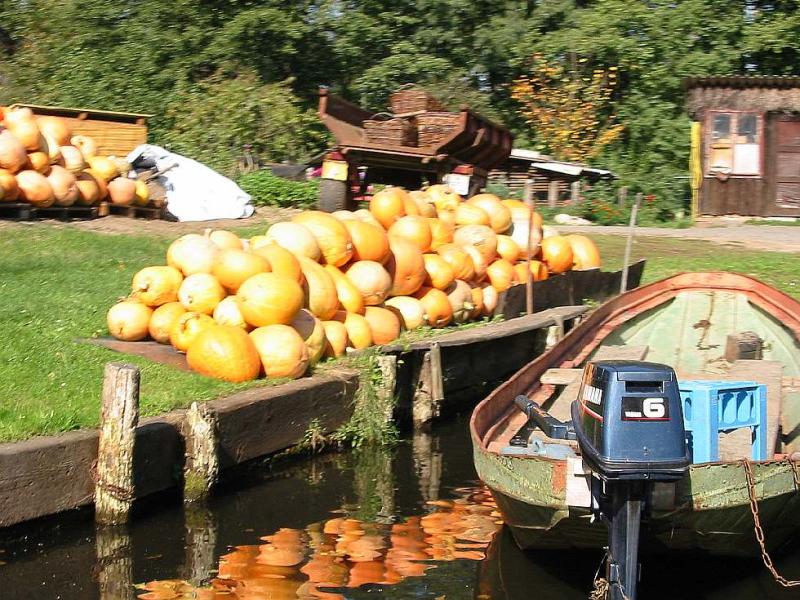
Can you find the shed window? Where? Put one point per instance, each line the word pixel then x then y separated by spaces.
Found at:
pixel 734 144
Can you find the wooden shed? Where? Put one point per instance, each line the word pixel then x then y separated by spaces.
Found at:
pixel 116 133
pixel 747 149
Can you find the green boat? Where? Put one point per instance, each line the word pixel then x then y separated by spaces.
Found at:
pixel 719 326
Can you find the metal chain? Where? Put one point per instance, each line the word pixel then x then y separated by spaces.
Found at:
pixel 601 585
pixel 751 491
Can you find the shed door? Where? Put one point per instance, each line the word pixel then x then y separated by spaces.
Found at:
pixel 787 164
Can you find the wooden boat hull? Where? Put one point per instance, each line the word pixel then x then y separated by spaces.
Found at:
pixel 711 510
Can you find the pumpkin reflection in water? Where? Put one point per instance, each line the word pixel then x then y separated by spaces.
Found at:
pixel 311 564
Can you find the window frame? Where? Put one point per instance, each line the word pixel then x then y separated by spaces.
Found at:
pixel 708 141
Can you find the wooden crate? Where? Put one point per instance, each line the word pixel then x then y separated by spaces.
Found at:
pixel 393 132
pixel 413 99
pixel 433 127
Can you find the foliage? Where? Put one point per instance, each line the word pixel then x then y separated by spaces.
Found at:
pixel 568 107
pixel 269 190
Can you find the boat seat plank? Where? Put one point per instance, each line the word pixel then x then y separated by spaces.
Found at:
pixel 563 405
pixel 561 376
pixel 621 353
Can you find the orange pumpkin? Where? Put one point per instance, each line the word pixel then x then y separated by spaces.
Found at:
pixel 186 328
pixel 13 155
pixel 438 311
pixel 65 186
pixel 459 294
pixel 477 301
pixel 468 214
pixel 88 188
pixel 499 213
pixel 344 215
pixel 585 254
pixel 424 203
pixel 538 270
pixel 235 266
pixel 331 235
pixel 479 236
pixel 282 262
pixel 507 248
pixel 439 272
pixel 363 215
pixel 444 197
pixel 405 266
pixel 384 324
pixel 336 339
pixel 410 205
pixel 34 188
pixel 310 329
pixel 478 260
pixel 282 351
pixel 163 319
pixel 224 352
pixel 349 295
pixel 370 242
pixel 295 238
pixel 128 320
pixel 409 309
pixel 371 280
pixel 9 190
pixel 413 228
pixel 267 299
pixel 456 257
pixel 441 233
pixel 39 161
pixel 388 205
pixel 557 254
pixel 359 333
pixel 448 217
pixel 501 274
pixel 319 288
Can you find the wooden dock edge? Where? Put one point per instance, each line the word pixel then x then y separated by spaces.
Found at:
pixel 48 475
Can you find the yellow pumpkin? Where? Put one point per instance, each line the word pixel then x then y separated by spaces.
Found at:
pixel 499 214
pixel 154 286
pixel 103 166
pixel 129 320
pixel 439 272
pixel 234 266
pixel 441 233
pixel 490 300
pixel 444 197
pixel 359 332
pixel 507 248
pixel 411 311
pixel 201 293
pixel 424 203
pixel 282 262
pixel 163 319
pixel 142 193
pixel 349 295
pixel 192 253
pixel 332 237
pixel 282 350
pixel 459 260
pixel 313 333
pixel 186 327
pixel 229 312
pixel 585 255
pixel 468 214
pixel 224 352
pixel 319 289
pixel 226 240
pixel 267 299
pixel 480 237
pixel 335 339
pixel 296 238
pixel 501 274
pixel 371 280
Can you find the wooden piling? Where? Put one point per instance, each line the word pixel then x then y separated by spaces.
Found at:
pixel 387 363
pixel 623 285
pixel 429 392
pixel 114 491
pixel 201 468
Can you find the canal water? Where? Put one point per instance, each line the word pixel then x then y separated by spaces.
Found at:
pixel 407 523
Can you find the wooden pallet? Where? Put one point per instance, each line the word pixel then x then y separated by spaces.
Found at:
pixel 138 212
pixel 22 211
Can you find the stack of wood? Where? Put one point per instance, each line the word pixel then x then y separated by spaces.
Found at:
pixel 417 119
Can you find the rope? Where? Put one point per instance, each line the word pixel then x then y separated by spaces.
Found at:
pixel 751 492
pixel 602 587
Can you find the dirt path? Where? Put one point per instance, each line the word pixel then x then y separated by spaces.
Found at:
pixel 783 238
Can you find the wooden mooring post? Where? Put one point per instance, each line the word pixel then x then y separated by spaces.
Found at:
pixel 623 285
pixel 114 492
pixel 201 468
pixel 429 392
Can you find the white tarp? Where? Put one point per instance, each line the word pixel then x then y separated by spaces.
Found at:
pixel 194 191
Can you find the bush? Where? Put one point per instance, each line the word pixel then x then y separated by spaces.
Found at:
pixel 270 190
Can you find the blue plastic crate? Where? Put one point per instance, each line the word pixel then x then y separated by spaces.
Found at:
pixel 712 407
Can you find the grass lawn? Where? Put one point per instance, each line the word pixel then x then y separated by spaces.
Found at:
pixel 56 284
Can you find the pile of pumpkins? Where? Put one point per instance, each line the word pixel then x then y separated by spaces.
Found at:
pixel 319 284
pixel 44 164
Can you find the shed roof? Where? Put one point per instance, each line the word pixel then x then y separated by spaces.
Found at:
pixel 542 162
pixel 743 81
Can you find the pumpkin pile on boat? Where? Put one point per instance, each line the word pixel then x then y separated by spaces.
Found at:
pixel 320 284
pixel 44 164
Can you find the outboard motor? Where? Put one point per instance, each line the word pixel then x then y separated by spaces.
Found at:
pixel 628 421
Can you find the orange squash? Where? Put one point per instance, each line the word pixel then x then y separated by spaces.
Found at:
pixel 359 333
pixel 441 233
pixel 282 351
pixel 88 189
pixel 370 241
pixel 9 190
pixel 501 274
pixel 235 266
pixel 557 254
pixel 335 338
pixel 34 188
pixel 331 235
pixel 499 213
pixel 122 191
pixel 22 124
pixel 39 161
pixel 201 292
pixel 424 202
pixel 415 229
pixel 154 286
pixel 384 324
pixel 65 186
pixel 507 248
pixel 438 311
pixel 585 255
pixel 229 312
pixel 538 270
pixel 468 214
pixel 56 128
pixel 349 295
pixel 405 266
pixel 295 238
pixel 388 205
pixel 409 309
pixel 282 262
pixel 224 352
pixel 479 236
pixel 439 272
pixel 478 260
pixel 444 197
pixel 163 319
pixel 267 299
pixel 371 280
pixel 319 289
pixel 186 328
pixel 128 320
pixel 456 257
pixel 459 294
pixel 13 156
pixel 313 333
